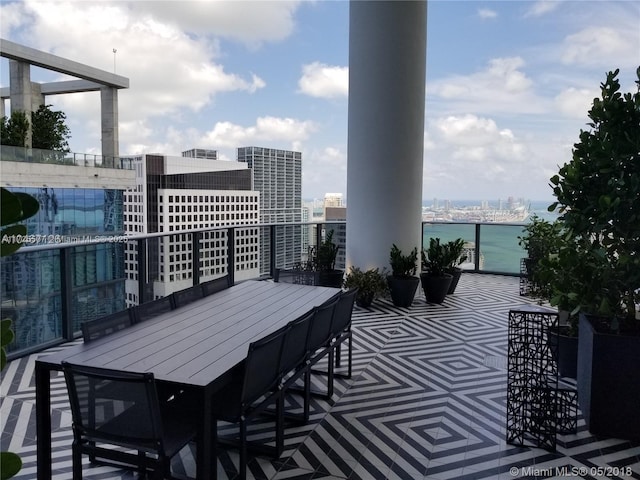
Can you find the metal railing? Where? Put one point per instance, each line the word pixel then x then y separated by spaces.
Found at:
pixel 34 155
pixel 50 289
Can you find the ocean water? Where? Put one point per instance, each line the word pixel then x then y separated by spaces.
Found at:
pixel 499 247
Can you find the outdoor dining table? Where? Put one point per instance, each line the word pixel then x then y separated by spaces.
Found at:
pixel 194 346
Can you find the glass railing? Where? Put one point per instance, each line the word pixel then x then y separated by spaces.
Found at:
pixel 49 290
pixel 490 247
pixel 35 155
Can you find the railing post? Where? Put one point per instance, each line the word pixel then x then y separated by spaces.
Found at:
pixel 272 250
pixel 142 269
pixel 231 249
pixel 477 252
pixel 195 257
pixel 66 292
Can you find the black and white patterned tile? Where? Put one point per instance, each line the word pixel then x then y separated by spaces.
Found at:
pixel 426 401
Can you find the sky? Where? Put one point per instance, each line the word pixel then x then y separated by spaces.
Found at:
pixel 509 83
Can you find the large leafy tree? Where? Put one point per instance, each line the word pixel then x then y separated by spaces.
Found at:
pixel 13 130
pixel 48 130
pixel 598 195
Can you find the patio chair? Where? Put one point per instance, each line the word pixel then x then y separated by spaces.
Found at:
pixel 319 345
pixel 294 361
pixel 186 296
pixel 341 330
pixel 253 388
pixel 217 285
pixel 98 328
pixel 136 421
pixel 151 309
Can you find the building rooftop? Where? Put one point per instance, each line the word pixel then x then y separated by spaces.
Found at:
pixel 427 400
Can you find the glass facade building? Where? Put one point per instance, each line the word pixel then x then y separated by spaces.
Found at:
pixel 30 291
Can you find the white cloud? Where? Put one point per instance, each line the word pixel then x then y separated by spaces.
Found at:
pixel 324 81
pixel 249 22
pixel 596 45
pixel 324 170
pixel 575 102
pixel 485 13
pixel 542 7
pixel 267 131
pixel 501 87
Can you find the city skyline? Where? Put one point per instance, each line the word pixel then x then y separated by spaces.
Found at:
pixel 505 101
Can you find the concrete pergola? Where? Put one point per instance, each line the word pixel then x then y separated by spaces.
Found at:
pixel 27 96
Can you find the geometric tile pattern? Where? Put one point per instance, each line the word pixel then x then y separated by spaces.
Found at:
pixel 427 400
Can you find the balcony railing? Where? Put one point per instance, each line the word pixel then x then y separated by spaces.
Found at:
pixel 35 155
pixel 49 290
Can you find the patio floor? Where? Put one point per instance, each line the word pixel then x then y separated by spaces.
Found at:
pixel 426 401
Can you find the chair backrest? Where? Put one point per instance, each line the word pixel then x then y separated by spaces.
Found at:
pixel 320 328
pixel 188 295
pixel 120 408
pixel 98 328
pixel 213 286
pixel 262 366
pixel 151 309
pixel 343 312
pixel 294 349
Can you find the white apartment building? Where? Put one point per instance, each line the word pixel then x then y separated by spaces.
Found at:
pixel 182 193
pixel 277 175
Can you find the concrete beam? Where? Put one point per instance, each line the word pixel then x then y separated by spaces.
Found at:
pixel 14 51
pixel 60 88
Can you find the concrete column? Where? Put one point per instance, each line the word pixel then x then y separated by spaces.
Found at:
pixel 387 74
pixel 20 91
pixel 109 120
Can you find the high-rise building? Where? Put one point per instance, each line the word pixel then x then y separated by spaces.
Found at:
pixel 177 193
pixel 277 175
pixel 77 204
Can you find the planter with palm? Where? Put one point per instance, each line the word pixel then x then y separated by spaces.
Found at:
pixel 434 277
pixel 454 253
pixel 403 281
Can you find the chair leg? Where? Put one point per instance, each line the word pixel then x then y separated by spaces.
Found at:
pixel 350 357
pixel 76 460
pixel 242 467
pixel 280 424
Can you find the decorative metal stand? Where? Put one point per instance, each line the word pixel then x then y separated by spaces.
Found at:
pixel 533 398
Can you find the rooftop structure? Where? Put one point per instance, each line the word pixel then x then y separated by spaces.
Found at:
pixel 27 96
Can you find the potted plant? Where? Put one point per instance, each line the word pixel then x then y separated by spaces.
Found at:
pixel 371 284
pixel 434 277
pixel 454 252
pixel 539 240
pixel 403 281
pixel 598 196
pixel 325 263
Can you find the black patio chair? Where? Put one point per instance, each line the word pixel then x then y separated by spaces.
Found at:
pixel 341 330
pixel 253 388
pixel 217 285
pixel 153 308
pixel 186 296
pixel 319 345
pixel 136 420
pixel 99 327
pixel 294 362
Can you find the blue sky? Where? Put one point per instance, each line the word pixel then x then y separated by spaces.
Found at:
pixel 509 83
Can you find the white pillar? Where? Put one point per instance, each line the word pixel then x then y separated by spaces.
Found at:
pixel 20 92
pixel 109 119
pixel 387 74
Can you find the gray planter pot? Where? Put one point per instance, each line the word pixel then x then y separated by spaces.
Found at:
pixel 609 381
pixel 435 287
pixel 402 290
